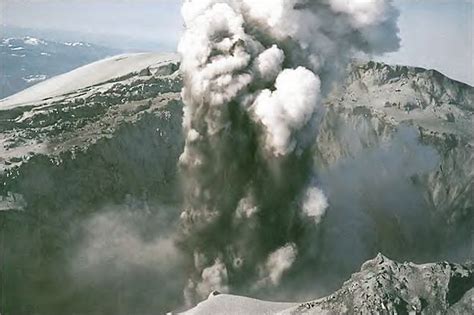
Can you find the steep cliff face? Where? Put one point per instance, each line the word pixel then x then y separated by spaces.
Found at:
pixel 394 156
pixel 396 143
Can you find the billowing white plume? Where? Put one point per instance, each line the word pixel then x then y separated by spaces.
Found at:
pixel 255 74
pixel 213 278
pixel 278 262
pixel 287 109
pixel 315 204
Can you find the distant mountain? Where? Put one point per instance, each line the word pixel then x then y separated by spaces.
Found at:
pixel 125 44
pixel 25 61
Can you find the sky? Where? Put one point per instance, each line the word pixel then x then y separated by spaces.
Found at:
pixel 435 34
pixel 146 23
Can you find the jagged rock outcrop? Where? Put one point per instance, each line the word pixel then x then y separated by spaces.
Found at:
pixel 386 287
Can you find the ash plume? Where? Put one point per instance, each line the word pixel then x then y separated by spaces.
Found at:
pixel 255 73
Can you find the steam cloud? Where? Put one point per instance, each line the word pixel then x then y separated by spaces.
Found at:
pixel 255 73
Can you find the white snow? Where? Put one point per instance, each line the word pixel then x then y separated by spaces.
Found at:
pixel 35 78
pixel 89 75
pixel 33 41
pixel 77 44
pixel 28 40
pixel 237 305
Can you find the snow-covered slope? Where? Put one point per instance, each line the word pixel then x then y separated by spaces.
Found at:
pixel 33 118
pixel 89 75
pixel 236 305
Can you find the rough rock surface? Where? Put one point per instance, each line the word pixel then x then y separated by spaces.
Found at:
pixel 386 287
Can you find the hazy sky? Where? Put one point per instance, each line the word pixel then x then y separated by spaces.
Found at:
pixel 435 33
pixel 138 20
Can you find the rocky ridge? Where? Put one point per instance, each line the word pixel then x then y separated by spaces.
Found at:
pixel 386 287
